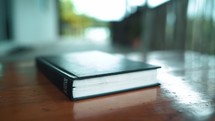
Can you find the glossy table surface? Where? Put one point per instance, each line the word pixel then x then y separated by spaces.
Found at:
pixel 186 93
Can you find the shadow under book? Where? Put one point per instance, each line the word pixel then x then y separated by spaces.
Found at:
pixel 89 74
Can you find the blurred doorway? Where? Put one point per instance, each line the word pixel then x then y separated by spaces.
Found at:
pixel 77 24
pixel 5 20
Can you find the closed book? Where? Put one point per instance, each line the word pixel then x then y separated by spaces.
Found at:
pixel 89 74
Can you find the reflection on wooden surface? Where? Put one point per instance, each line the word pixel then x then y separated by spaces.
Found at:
pixel 186 93
pixel 114 103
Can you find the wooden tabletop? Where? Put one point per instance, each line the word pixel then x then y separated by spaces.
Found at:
pixel 186 93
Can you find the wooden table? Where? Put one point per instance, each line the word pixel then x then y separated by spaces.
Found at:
pixel 187 93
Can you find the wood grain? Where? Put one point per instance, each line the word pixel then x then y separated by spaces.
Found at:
pixel 186 93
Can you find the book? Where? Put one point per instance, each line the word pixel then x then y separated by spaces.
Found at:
pixel 89 74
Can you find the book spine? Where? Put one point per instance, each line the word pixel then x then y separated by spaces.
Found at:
pixel 59 78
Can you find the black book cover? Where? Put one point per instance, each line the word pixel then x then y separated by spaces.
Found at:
pixel 62 70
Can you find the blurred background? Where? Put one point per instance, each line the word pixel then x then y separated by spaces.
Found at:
pixel 178 35
pixel 134 28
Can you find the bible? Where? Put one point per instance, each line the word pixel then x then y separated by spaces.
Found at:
pixel 89 74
